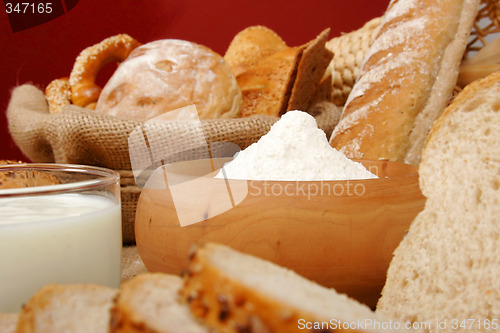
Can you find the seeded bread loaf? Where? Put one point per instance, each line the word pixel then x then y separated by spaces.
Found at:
pixel 285 80
pixel 72 308
pixel 150 303
pixel 446 270
pixel 406 79
pixel 236 292
pixel 250 46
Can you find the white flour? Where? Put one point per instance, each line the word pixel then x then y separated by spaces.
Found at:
pixel 294 149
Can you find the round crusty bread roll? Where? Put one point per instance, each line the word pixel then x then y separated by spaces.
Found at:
pixel 168 74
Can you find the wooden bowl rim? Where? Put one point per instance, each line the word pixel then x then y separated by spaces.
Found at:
pixel 409 171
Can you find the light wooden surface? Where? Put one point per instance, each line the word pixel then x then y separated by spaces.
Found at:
pixel 132 264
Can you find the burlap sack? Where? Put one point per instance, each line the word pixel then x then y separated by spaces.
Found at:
pixel 82 136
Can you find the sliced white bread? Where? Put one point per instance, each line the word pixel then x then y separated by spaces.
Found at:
pixel 236 292
pixel 8 322
pixel 150 303
pixel 73 308
pixel 446 270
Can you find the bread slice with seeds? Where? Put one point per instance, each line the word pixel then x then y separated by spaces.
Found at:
pixel 235 292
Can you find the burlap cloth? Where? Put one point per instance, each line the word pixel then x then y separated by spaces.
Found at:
pixel 83 136
pixel 132 264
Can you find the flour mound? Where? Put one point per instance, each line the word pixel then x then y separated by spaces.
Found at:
pixel 294 149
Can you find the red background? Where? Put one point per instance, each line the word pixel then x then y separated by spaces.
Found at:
pixel 47 51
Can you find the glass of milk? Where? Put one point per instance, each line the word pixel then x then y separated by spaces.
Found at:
pixel 58 224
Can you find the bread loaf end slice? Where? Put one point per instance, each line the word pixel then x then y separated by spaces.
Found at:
pixel 235 292
pixel 446 269
pixel 150 303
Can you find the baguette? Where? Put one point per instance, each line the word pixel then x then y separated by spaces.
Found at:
pixel 72 308
pixel 406 80
pixel 445 271
pixel 150 303
pixel 236 292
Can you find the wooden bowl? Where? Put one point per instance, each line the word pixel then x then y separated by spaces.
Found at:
pixel 340 234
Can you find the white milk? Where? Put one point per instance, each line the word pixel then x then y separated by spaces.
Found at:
pixel 60 238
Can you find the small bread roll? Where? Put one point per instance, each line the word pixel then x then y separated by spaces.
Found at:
pixel 168 74
pixel 252 45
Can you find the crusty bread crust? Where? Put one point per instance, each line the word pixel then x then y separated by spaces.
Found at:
pixel 150 303
pixel 280 81
pixel 250 46
pixel 266 86
pixel 168 74
pixel 463 97
pixel 406 79
pixel 221 297
pixel 446 267
pixel 313 64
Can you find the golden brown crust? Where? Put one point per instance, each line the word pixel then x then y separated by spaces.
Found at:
pixel 169 74
pixel 266 87
pixel 401 76
pixel 84 90
pixel 250 46
pixel 463 97
pixel 58 94
pixel 150 303
pixel 10 178
pixel 313 64
pixel 285 80
pixel 123 318
pixel 230 305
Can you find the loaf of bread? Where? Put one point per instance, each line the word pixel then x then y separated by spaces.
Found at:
pixel 250 46
pixel 150 303
pixel 275 78
pixel 72 308
pixel 235 292
pixel 406 79
pixel 446 270
pixel 267 85
pixel 165 75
